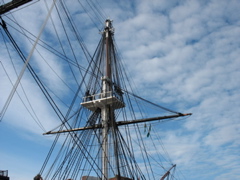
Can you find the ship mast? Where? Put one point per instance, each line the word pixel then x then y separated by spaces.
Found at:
pixel 107 109
pixel 106 101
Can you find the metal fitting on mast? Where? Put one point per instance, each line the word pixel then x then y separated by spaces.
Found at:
pixel 108 26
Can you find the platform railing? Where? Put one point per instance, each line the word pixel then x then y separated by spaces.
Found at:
pixel 100 96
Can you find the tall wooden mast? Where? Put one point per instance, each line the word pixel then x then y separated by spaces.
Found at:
pixel 106 110
pixel 106 100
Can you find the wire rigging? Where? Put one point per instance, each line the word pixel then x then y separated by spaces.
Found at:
pixel 34 116
pixel 25 66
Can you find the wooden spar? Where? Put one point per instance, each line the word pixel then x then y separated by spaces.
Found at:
pixel 168 172
pixel 12 5
pixel 120 123
pixel 76 129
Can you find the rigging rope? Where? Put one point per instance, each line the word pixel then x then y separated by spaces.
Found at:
pixel 35 119
pixel 150 102
pixel 91 18
pixel 26 63
pixel 52 50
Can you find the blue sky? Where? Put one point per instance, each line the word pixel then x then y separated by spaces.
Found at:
pixel 181 54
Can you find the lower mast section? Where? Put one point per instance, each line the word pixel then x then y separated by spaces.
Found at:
pixel 105 123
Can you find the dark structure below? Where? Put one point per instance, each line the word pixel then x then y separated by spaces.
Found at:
pixel 4 175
